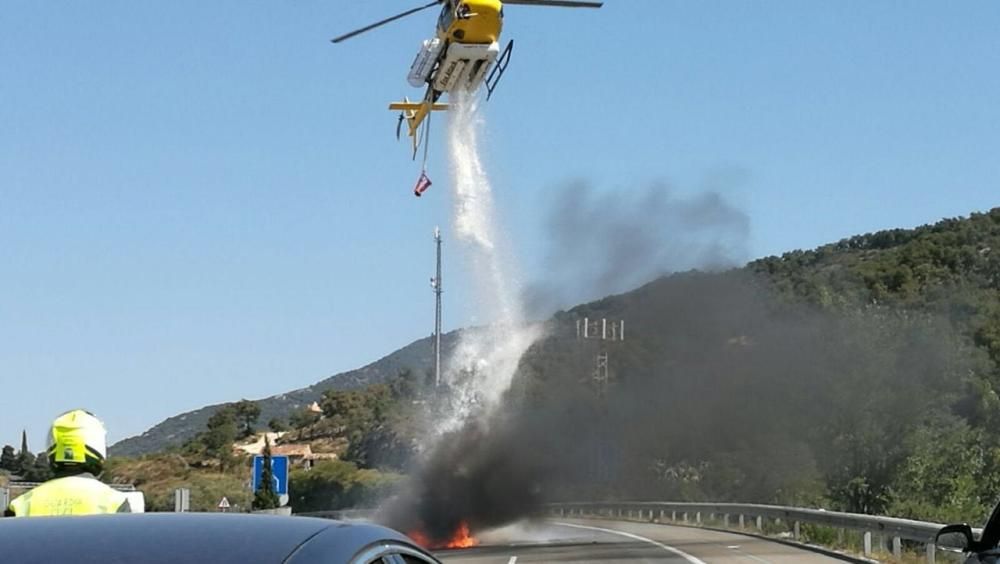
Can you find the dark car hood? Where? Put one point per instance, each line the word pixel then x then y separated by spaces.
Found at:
pixel 157 538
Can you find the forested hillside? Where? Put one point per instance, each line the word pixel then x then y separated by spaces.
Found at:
pixel 862 375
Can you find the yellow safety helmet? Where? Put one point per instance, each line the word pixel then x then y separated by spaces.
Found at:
pixel 77 438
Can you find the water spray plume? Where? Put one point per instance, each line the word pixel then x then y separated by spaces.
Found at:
pixel 488 356
pixel 443 501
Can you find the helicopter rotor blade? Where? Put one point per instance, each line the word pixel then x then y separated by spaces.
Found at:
pixel 556 3
pixel 349 35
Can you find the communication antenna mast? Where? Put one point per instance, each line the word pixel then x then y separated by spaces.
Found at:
pixel 602 331
pixel 436 284
pixel 600 335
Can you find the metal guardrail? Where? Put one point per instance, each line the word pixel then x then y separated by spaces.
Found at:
pixel 341 514
pixel 697 513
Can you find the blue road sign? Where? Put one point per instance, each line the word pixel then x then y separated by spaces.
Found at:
pixel 279 469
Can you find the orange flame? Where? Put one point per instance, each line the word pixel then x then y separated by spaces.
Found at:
pixel 461 538
pixel 419 538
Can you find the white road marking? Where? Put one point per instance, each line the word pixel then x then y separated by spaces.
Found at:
pixel 513 560
pixel 681 553
pixel 752 557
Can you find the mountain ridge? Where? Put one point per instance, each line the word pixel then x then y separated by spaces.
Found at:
pixel 173 431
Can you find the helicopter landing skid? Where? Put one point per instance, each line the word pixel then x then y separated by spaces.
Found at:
pixel 497 73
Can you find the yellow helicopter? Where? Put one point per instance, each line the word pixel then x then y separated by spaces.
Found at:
pixel 464 54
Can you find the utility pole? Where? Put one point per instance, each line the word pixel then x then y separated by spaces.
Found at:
pixel 436 284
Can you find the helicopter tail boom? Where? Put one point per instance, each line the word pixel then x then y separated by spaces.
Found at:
pixel 414 113
pixel 414 106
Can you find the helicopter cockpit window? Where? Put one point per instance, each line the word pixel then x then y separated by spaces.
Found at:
pixel 447 17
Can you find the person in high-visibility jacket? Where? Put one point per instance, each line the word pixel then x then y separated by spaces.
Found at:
pixel 76 450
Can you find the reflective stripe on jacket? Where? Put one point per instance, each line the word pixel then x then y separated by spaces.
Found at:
pixel 73 495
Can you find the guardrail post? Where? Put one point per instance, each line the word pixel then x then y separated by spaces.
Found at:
pixel 881 543
pixel 931 552
pixel 662 514
pixel 760 523
pixel 742 524
pixel 897 547
pixel 868 543
pixel 685 516
pixel 619 511
pixel 182 500
pixel 725 521
pixel 673 515
pixel 697 517
pixel 795 528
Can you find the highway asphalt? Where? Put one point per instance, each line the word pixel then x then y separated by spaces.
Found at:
pixel 594 541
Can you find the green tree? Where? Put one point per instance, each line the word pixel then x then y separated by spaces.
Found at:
pixel 23 463
pixel 218 439
pixel 25 460
pixel 265 497
pixel 405 385
pixel 8 460
pixel 948 475
pixel 247 412
pixel 40 470
pixel 303 418
pixel 277 425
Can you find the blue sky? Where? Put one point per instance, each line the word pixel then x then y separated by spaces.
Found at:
pixel 204 201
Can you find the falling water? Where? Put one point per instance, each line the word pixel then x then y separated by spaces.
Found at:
pixel 443 495
pixel 484 362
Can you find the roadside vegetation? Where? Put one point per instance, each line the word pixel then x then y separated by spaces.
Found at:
pixel 371 431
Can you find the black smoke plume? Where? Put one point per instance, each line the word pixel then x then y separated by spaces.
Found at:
pixel 606 242
pixel 728 387
pixel 484 475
